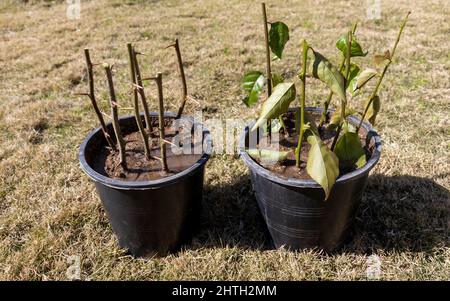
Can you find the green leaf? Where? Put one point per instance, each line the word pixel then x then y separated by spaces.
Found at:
pixel 349 150
pixel 363 78
pixel 253 83
pixel 354 71
pixel 361 162
pixel 336 119
pixel 322 69
pixel 267 156
pixel 278 37
pixel 322 165
pixel 276 79
pixel 373 110
pixel 278 103
pixel 356 49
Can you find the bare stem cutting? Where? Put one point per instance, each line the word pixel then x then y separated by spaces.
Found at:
pixel 161 123
pixel 137 114
pixel 115 116
pixel 140 89
pixel 91 95
pixel 182 77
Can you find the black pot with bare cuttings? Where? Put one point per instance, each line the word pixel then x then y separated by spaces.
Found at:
pixel 309 166
pixel 148 168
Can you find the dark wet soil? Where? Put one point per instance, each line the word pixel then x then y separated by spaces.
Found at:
pixel 138 167
pixel 287 169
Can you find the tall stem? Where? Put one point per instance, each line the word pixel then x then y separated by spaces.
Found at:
pixel 343 102
pixel 137 114
pixel 347 72
pixel 330 95
pixel 148 121
pixel 93 100
pixel 162 142
pixel 115 116
pixel 183 78
pixel 380 79
pixel 302 104
pixel 268 68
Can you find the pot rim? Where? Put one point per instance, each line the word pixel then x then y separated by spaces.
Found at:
pixel 151 184
pixel 309 183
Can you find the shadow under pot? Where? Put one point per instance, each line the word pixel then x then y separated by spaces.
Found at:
pixel 294 210
pixel 153 213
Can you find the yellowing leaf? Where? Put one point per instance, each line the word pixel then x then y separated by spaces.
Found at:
pixel 363 78
pixel 373 110
pixel 336 119
pixel 267 156
pixel 322 69
pixel 278 103
pixel 361 161
pixel 322 165
pixel 349 150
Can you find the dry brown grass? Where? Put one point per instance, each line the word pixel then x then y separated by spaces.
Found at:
pixel 49 210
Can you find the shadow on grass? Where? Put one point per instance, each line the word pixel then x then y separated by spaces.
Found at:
pixel 403 213
pixel 231 217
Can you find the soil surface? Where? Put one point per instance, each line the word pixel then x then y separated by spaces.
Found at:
pixel 138 167
pixel 287 169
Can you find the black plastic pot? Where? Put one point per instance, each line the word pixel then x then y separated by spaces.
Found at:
pixel 149 217
pixel 294 210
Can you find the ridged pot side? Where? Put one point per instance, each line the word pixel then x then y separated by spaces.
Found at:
pixel 149 217
pixel 294 210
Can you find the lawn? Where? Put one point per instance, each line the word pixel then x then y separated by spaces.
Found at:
pixel 50 212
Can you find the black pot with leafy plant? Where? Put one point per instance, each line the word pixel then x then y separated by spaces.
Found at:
pixel 148 168
pixel 309 166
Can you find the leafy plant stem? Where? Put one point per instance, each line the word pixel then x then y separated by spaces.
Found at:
pixel 91 95
pixel 137 114
pixel 115 116
pixel 380 79
pixel 302 104
pixel 343 103
pixel 268 68
pixel 328 100
pixel 330 95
